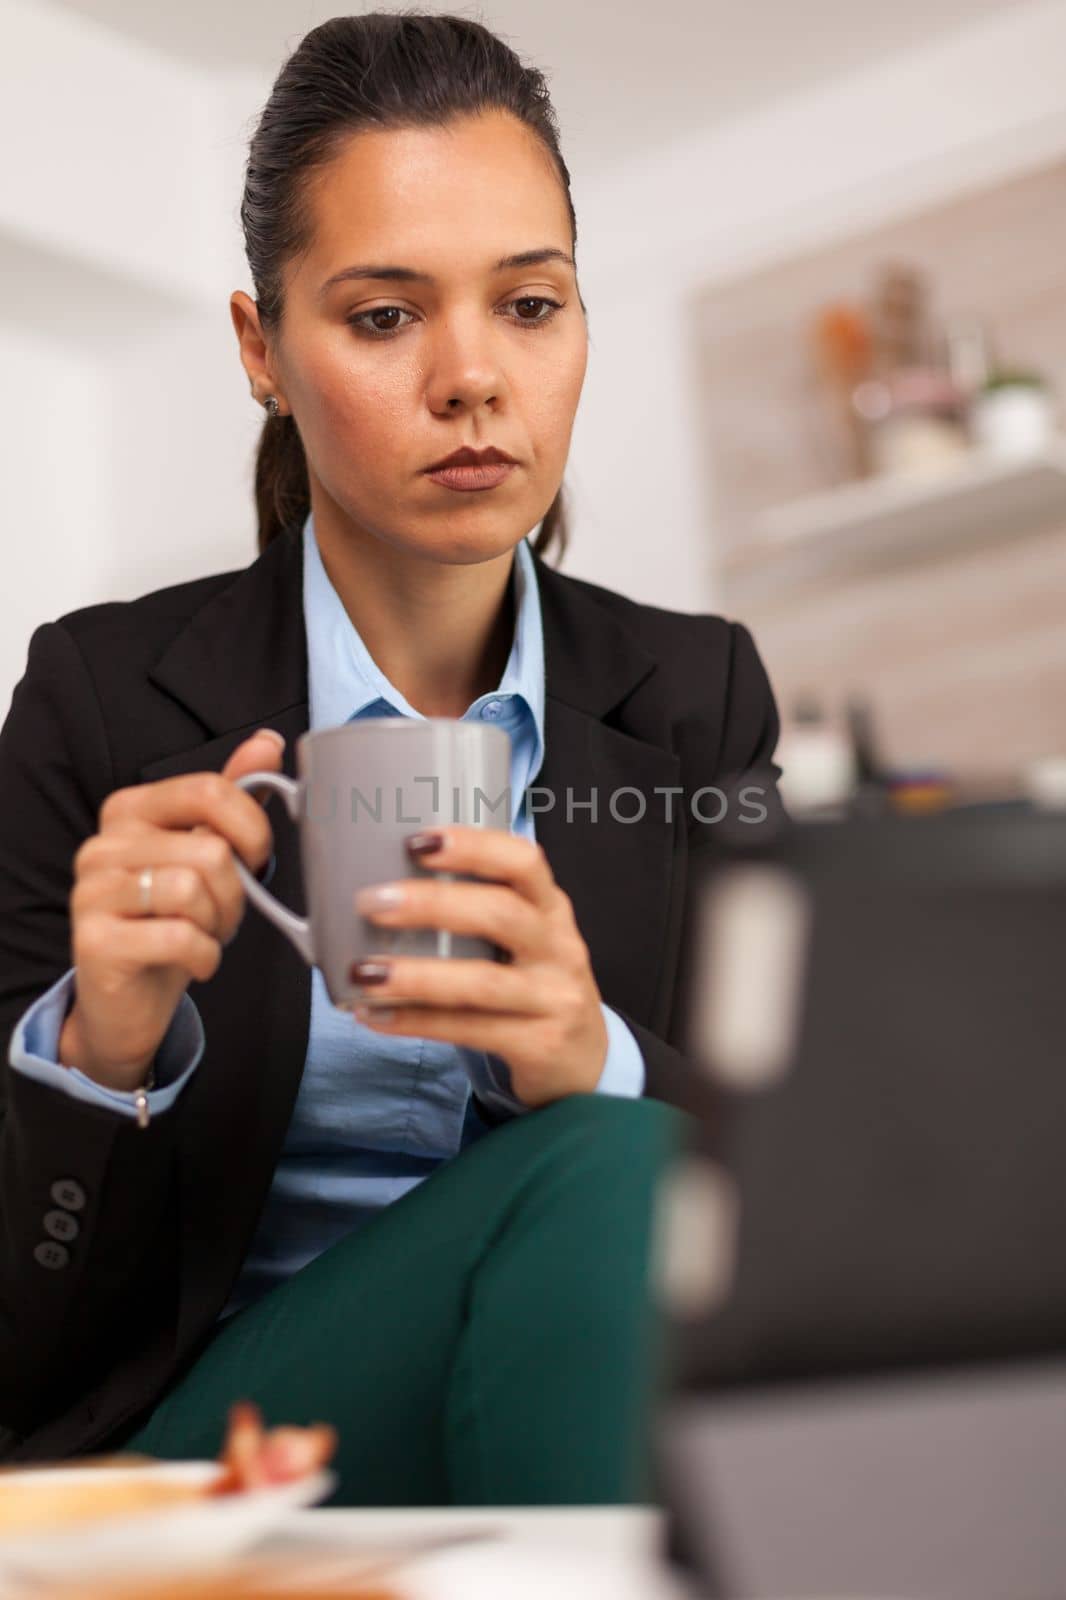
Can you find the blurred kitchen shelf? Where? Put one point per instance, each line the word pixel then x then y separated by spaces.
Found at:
pixel 884 522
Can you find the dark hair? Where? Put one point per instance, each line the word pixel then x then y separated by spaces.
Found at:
pixel 378 70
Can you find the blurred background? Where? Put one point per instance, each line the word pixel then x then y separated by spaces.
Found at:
pixel 823 248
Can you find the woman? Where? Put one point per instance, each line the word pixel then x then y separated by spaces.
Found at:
pixel 431 1231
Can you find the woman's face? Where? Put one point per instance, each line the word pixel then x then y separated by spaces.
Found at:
pixel 386 375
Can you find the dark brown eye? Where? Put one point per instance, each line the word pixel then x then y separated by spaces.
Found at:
pixel 373 330
pixel 550 308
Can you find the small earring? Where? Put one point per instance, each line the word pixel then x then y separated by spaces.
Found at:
pixel 270 405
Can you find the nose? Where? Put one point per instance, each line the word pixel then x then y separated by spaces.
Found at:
pixel 466 368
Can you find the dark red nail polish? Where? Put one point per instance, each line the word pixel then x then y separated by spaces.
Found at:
pixel 422 844
pixel 368 971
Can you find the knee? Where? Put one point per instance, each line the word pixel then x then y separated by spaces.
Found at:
pixel 635 1136
pixel 615 1115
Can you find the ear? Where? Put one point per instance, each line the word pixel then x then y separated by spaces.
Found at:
pixel 254 349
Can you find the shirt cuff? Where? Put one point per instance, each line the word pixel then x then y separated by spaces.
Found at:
pixel 35 1045
pixel 623 1071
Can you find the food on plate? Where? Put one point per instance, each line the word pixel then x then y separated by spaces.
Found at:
pixel 26 1504
pixel 253 1457
pixel 237 1582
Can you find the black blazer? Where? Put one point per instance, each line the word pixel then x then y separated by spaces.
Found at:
pixel 130 692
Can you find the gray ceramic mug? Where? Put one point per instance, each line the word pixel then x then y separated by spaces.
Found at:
pixel 363 787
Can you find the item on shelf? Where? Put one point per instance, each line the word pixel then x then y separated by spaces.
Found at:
pixel 817 761
pixel 915 420
pixel 918 793
pixel 1014 414
pixel 872 777
pixel 966 354
pixel 844 348
pixel 900 318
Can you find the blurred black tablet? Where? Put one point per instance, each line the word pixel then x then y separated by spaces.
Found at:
pixel 883 1003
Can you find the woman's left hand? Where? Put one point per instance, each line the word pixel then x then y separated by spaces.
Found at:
pixel 540 1012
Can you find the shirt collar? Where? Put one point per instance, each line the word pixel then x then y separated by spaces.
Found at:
pixel 343 677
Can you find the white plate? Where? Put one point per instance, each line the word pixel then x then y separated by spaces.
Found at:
pixel 177 1538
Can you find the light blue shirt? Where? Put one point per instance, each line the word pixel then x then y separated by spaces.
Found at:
pixel 375 1113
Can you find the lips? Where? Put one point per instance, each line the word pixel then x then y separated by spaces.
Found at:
pixel 467 456
pixel 486 476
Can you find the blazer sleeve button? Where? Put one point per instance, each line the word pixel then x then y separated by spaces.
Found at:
pixel 69 1194
pixel 61 1225
pixel 52 1256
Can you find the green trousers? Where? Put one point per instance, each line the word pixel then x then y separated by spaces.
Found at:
pixel 490 1338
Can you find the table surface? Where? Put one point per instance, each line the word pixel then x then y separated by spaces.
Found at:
pixel 524 1551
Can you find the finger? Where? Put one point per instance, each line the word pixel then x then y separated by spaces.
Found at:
pixel 484 910
pixel 474 984
pixel 491 853
pixel 476 1030
pixel 176 891
pixel 195 798
pixel 151 942
pixel 135 846
pixel 261 753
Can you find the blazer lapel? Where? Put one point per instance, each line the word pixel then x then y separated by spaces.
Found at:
pixel 621 863
pixel 241 663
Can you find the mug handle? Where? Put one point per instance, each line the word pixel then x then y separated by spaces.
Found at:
pixel 297 929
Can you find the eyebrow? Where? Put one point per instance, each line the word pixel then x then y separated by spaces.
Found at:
pixel 524 258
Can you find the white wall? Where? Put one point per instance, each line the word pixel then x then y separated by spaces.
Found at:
pixel 120 415
pixel 109 151
pixel 48 412
pixel 127 426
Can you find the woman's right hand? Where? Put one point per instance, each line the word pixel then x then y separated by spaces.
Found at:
pixel 132 967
